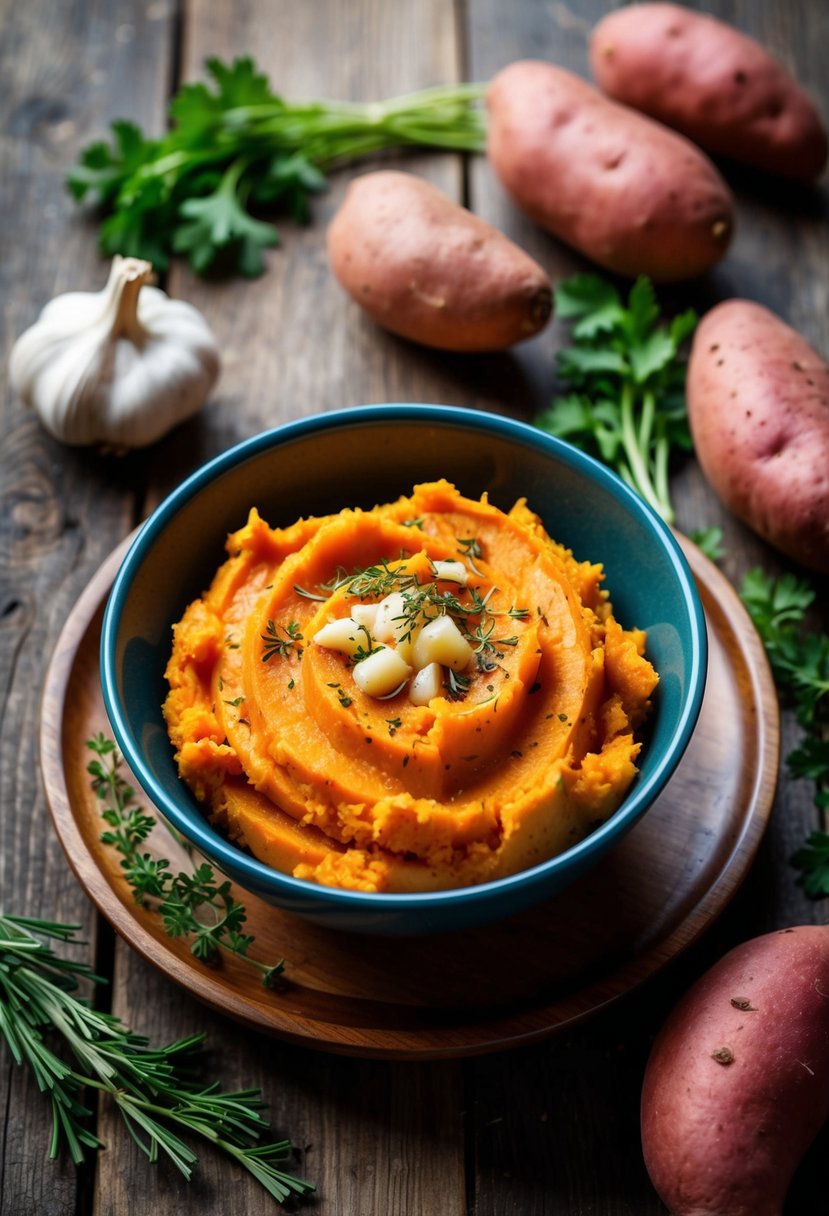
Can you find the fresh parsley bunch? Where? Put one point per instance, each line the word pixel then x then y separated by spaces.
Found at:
pixel 799 659
pixel 236 149
pixel 626 403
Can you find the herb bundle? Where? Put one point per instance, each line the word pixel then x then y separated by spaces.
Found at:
pixel 626 403
pixel 191 905
pixel 157 1091
pixel 238 148
pixel 799 659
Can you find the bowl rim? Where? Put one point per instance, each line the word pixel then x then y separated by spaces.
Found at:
pixel 247 869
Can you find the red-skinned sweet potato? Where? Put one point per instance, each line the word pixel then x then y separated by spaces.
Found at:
pixel 628 193
pixel 758 405
pixel 713 83
pixel 737 1083
pixel 429 270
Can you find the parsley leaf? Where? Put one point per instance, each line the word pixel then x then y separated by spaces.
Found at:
pixel 800 662
pixel 812 859
pixel 219 223
pixel 626 382
pixel 710 541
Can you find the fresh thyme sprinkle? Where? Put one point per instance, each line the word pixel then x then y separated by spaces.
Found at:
pixel 309 595
pixel 283 646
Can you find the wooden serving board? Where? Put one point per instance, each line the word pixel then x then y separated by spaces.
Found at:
pixel 477 991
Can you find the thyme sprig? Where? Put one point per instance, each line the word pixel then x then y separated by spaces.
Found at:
pixel 196 905
pixel 456 685
pixel 157 1090
pixel 281 640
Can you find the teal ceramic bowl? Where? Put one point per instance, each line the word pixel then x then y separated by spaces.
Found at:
pixel 360 457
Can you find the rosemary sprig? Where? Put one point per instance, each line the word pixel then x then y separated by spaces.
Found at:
pixel 157 1090
pixel 192 905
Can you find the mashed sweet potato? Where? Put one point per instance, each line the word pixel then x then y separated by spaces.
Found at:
pixel 525 743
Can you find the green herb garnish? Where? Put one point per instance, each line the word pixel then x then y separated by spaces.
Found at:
pixel 457 686
pixel 236 148
pixel 800 662
pixel 281 640
pixel 710 541
pixel 193 905
pixel 626 403
pixel 157 1090
pixel 308 595
pixel 426 600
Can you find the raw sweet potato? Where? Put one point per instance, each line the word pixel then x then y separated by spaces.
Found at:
pixel 628 193
pixel 737 1084
pixel 758 404
pixel 711 82
pixel 429 270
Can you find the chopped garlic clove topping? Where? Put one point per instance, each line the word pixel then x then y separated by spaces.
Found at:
pixel 381 673
pixel 345 635
pixel 365 615
pixel 442 642
pixel 427 684
pixel 451 572
pixel 389 622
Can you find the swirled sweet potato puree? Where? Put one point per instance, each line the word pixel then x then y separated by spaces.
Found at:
pixel 525 741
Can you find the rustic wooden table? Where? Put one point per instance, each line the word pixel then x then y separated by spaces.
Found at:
pixel 549 1128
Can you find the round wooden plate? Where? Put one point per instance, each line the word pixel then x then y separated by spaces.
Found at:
pixel 482 990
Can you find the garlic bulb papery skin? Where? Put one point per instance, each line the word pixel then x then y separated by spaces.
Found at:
pixel 119 367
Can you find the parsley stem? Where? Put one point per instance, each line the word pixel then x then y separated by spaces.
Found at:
pixel 638 460
pixel 646 420
pixel 662 452
pixel 455 98
pixel 625 378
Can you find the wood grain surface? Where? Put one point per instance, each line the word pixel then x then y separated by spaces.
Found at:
pixel 549 1128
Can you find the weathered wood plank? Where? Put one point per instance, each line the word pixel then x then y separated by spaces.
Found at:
pixel 66 69
pixel 293 343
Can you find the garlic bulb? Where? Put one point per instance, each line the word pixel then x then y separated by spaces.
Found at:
pixel 120 366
